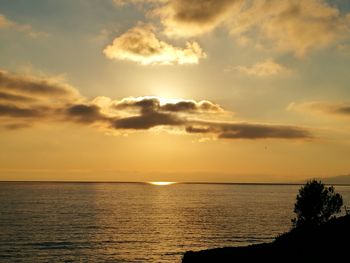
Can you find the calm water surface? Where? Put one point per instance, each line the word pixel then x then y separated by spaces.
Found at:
pixel 122 222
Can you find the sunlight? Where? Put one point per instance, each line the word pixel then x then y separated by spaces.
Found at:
pixel 161 183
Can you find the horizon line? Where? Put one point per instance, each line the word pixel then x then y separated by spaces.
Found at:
pixel 147 182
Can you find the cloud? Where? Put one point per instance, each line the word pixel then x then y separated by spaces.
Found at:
pixel 199 129
pixel 6 23
pixel 33 87
pixel 262 69
pixel 125 2
pixel 16 126
pixel 259 131
pixel 15 111
pixel 202 117
pixel 296 26
pixel 153 111
pixel 141 45
pixel 183 18
pixel 151 104
pixel 193 117
pixel 340 109
pixel 13 97
pixel 147 120
pixel 226 130
pixel 85 113
pixel 26 101
pixel 190 18
pixel 344 48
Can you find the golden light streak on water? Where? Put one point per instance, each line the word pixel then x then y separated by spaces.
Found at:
pixel 161 183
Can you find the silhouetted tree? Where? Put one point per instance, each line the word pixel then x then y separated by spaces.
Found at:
pixel 316 204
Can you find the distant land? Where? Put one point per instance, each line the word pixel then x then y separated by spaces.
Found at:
pixel 341 179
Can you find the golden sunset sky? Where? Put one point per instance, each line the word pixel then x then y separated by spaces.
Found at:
pixel 174 90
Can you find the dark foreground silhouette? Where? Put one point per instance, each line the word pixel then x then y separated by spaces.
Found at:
pixel 329 242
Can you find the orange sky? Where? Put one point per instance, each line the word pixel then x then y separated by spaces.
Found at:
pixel 153 90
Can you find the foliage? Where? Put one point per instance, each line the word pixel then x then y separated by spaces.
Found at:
pixel 316 204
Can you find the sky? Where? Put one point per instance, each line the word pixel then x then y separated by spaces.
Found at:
pixel 174 90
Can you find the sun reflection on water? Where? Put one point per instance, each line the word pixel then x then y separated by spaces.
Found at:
pixel 161 183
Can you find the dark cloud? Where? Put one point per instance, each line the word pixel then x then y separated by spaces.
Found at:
pixel 343 109
pixel 16 126
pixel 85 113
pixel 259 131
pixel 16 98
pixel 147 121
pixel 148 104
pixel 205 105
pixel 153 113
pixel 44 99
pixel 192 106
pixel 29 85
pixel 180 106
pixel 143 105
pixel 28 101
pixel 200 12
pixel 189 18
pixel 177 15
pixel 250 131
pixel 194 129
pixel 18 112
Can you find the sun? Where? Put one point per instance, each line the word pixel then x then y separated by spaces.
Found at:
pixel 161 183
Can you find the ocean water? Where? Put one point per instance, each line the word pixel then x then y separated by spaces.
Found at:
pixel 137 222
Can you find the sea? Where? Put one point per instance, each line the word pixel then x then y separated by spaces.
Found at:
pixel 138 222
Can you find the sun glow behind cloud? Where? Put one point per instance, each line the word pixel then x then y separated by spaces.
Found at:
pixel 25 100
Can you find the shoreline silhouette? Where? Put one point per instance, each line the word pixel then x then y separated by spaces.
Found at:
pixel 317 234
pixel 327 242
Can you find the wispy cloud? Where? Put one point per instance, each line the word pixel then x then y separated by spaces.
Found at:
pixel 261 69
pixel 296 26
pixel 140 44
pixel 6 23
pixel 29 85
pixel 26 99
pixel 335 109
pixel 227 130
pixel 182 18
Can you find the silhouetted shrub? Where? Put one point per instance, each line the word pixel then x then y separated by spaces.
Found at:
pixel 316 204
